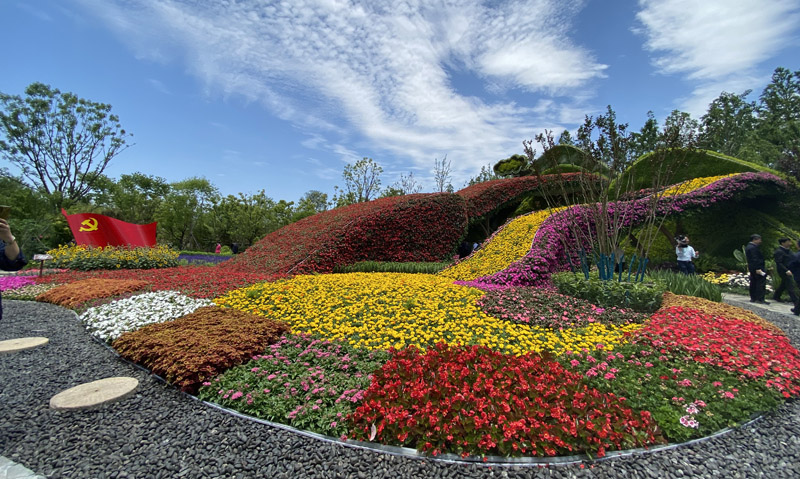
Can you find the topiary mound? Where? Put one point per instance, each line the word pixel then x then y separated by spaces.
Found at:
pixel 420 227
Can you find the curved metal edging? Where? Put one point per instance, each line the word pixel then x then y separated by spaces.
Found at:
pixel 448 458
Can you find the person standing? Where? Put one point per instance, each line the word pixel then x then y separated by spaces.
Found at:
pixel 757 268
pixel 218 248
pixel 685 253
pixel 782 257
pixel 793 264
pixel 11 258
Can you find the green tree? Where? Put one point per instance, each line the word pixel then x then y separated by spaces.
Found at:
pixel 312 202
pixel 362 182
pixel 728 125
pixel 779 122
pixel 244 219
pixel 35 225
pixel 442 178
pixel 136 197
pixel 680 126
pixel 486 174
pixel 565 138
pixel 61 143
pixel 181 214
pixel 646 140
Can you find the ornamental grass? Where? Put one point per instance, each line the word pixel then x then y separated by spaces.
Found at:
pixel 474 401
pixel 395 310
pixel 75 294
pixel 199 346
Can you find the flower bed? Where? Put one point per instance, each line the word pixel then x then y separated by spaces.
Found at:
pixel 85 258
pixel 75 294
pixel 406 309
pixel 110 320
pixel 420 227
pixel 195 281
pixel 196 347
pixel 15 282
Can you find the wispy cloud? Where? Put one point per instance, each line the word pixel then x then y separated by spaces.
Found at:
pixel 159 86
pixel 374 74
pixel 716 44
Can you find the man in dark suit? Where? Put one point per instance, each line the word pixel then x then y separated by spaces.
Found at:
pixel 782 257
pixel 794 267
pixel 757 268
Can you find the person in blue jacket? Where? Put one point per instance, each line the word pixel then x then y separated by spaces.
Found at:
pixel 11 258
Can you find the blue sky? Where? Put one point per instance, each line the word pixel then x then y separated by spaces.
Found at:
pixel 281 96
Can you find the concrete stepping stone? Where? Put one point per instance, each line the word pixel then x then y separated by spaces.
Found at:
pixel 95 393
pixel 21 344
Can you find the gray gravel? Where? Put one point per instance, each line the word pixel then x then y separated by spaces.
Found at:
pixel 160 432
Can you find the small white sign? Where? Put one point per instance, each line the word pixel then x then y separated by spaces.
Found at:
pixel 41 257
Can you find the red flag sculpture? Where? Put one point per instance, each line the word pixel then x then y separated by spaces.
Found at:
pixel 100 230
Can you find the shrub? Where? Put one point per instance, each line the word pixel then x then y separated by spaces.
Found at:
pixel 200 345
pixel 639 296
pixel 474 401
pixel 696 164
pixel 85 258
pixel 409 228
pixel 74 294
pixel 389 267
pixel 687 285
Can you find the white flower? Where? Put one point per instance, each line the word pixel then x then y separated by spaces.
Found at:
pixel 109 321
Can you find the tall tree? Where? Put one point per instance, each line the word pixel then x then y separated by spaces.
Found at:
pixel 680 126
pixel 565 138
pixel 312 202
pixel 61 143
pixel 137 196
pixel 779 121
pixel 362 181
pixel 728 125
pixel 646 140
pixel 441 175
pixel 182 212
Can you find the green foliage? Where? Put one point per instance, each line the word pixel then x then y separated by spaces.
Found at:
pixel 562 169
pixel 362 181
pixel 693 164
pixel 306 383
pixel 687 285
pixel 513 166
pixel 391 267
pixel 639 296
pixel 61 143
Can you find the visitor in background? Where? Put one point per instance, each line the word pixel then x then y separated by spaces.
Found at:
pixel 218 248
pixel 757 268
pixel 783 254
pixel 235 248
pixel 11 258
pixel 685 254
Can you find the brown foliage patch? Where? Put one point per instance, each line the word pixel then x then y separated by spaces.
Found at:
pixel 196 347
pixel 75 294
pixel 718 309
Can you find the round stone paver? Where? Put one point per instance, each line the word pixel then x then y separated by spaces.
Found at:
pixel 21 344
pixel 95 393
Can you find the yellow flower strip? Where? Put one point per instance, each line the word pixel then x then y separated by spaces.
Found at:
pixel 509 244
pixel 383 310
pixel 694 184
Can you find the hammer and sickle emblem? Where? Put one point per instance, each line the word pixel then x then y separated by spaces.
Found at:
pixel 89 224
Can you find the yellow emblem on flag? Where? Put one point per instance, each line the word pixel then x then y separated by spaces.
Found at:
pixel 90 225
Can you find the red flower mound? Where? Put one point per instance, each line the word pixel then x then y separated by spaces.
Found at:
pixel 421 227
pixel 482 198
pixel 472 400
pixel 196 281
pixel 732 344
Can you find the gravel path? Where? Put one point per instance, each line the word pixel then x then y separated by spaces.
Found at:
pixel 160 432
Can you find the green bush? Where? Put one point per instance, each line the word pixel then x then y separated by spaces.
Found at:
pixel 639 296
pixel 226 250
pixel 390 267
pixel 694 164
pixel 687 285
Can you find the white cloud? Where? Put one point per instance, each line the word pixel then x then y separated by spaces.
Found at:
pixel 373 75
pixel 717 45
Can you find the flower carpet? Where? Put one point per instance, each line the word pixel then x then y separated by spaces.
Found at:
pixel 496 363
